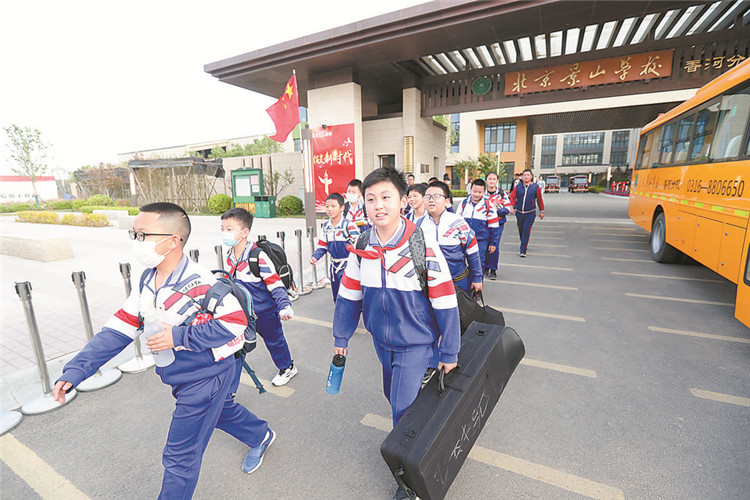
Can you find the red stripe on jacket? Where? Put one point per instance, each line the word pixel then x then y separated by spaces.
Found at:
pixel 441 290
pixel 350 283
pixel 127 317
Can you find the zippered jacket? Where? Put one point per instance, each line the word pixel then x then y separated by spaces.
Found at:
pixel 457 242
pixel 524 198
pixel 334 240
pixel 201 348
pixel 501 203
pixel 385 290
pixel 483 219
pixel 268 291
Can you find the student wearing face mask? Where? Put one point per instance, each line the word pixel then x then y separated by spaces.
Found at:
pixel 355 207
pixel 271 302
pixel 204 373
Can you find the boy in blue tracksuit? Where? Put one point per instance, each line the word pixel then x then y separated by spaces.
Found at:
pixel 524 198
pixel 271 302
pixel 205 372
pixel 500 200
pixel 482 217
pixel 380 283
pixel 338 232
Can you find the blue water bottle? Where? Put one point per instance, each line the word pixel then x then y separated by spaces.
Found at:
pixel 335 374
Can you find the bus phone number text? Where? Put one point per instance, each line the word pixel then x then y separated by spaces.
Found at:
pixel 718 187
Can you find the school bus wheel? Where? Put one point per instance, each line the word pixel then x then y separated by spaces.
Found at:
pixel 661 251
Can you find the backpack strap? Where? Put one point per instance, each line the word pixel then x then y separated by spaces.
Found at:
pixel 252 261
pixel 418 250
pixel 362 241
pixel 141 284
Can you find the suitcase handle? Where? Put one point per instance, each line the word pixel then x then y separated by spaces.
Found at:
pixel 400 481
pixel 441 381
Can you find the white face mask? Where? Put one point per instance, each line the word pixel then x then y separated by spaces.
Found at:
pixel 229 240
pixel 352 198
pixel 145 252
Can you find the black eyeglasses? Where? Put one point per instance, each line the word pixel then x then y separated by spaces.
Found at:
pixel 141 236
pixel 436 197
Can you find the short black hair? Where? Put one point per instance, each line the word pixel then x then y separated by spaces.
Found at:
pixel 384 174
pixel 241 215
pixel 444 187
pixel 336 196
pixel 432 179
pixel 420 188
pixel 355 183
pixel 410 175
pixel 172 216
pixel 479 182
pixel 527 170
pixel 491 173
pixel 516 175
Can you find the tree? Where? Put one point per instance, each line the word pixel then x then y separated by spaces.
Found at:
pixel 276 182
pixel 262 146
pixel 105 178
pixel 462 166
pixel 29 151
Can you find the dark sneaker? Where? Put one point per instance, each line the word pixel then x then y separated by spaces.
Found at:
pixel 523 254
pixel 493 275
pixel 255 456
pixel 428 375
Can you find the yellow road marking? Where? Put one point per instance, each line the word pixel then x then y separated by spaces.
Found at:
pixel 559 368
pixel 722 398
pixel 629 260
pixel 679 299
pixel 538 245
pixel 700 335
pixel 623 249
pixel 35 472
pixel 542 314
pixel 282 392
pixel 519 283
pixel 326 324
pixel 539 267
pixel 538 472
pixel 666 277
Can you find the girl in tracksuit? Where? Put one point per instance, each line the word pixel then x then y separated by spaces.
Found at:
pixel 482 217
pixel 524 198
pixel 338 232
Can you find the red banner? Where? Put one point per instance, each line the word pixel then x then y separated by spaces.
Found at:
pixel 333 161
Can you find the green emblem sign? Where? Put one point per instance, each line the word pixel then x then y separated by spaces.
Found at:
pixel 481 85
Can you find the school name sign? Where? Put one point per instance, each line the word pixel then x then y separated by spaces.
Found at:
pixel 630 68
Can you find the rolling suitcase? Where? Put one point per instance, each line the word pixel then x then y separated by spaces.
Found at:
pixel 428 446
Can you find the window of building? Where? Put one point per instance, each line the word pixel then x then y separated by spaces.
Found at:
pixel 303 114
pixel 548 161
pixel 506 175
pixel 499 137
pixel 549 144
pixel 455 132
pixel 582 159
pixel 589 139
pixel 298 144
pixel 388 161
pixel 618 158
pixel 620 139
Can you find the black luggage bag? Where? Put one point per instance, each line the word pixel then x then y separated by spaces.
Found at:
pixel 469 310
pixel 428 446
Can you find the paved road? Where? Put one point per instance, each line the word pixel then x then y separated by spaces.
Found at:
pixel 623 393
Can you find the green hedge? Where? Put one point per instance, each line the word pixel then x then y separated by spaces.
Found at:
pixel 458 193
pixel 290 205
pixel 90 209
pixel 219 203
pixel 100 200
pixel 60 205
pixel 596 189
pixel 90 220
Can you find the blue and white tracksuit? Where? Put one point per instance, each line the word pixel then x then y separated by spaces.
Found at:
pixel 412 216
pixel 204 374
pixel 357 215
pixel 483 219
pixel 405 324
pixel 334 241
pixel 269 298
pixel 524 199
pixel 502 204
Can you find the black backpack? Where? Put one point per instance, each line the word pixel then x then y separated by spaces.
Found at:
pixel 418 250
pixel 277 256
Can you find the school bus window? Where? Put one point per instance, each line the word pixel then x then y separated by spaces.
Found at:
pixel 734 111
pixel 704 130
pixel 666 145
pixel 684 130
pixel 645 150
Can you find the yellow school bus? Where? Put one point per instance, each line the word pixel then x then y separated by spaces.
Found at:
pixel 691 182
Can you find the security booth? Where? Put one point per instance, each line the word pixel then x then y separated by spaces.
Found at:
pixel 248 192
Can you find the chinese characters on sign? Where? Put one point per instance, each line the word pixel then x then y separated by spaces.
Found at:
pixel 718 62
pixel 333 161
pixel 587 73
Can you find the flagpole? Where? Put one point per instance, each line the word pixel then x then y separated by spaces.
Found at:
pixel 307 166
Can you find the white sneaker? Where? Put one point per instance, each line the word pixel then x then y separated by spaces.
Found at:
pixel 284 376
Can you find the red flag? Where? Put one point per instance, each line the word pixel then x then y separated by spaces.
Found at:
pixel 285 113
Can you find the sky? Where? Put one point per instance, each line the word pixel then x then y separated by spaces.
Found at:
pixel 102 78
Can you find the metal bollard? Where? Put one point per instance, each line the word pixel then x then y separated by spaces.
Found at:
pixel 300 281
pixel 45 402
pixel 219 257
pixel 328 263
pixel 102 378
pixel 316 285
pixel 281 235
pixel 140 363
pixel 193 254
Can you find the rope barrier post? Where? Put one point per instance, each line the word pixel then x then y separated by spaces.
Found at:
pixel 140 363
pixel 328 264
pixel 219 257
pixel 193 254
pixel 316 285
pixel 45 402
pixel 102 378
pixel 281 235
pixel 300 281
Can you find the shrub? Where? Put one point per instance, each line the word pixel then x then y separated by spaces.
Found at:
pixel 101 200
pixel 70 219
pixel 89 209
pixel 37 217
pixel 219 203
pixel 134 210
pixel 596 189
pixel 77 204
pixel 60 205
pixel 122 202
pixel 18 207
pixel 94 220
pixel 5 209
pixel 458 193
pixel 290 205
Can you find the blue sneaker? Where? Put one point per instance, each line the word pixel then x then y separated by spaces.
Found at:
pixel 255 456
